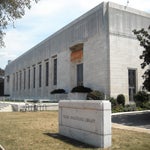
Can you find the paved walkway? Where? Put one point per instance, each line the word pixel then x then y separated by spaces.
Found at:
pixel 130 128
pixel 135 121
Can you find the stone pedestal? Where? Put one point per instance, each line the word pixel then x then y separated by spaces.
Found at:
pixel 86 121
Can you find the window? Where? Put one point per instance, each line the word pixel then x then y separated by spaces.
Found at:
pixel 40 75
pixel 132 83
pixel 20 79
pixel 33 77
pixel 55 72
pixel 16 80
pixel 79 74
pixel 46 73
pixel 24 79
pixel 7 78
pixel 29 78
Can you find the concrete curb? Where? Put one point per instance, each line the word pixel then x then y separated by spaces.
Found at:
pixel 129 112
pixel 130 128
pixel 1 147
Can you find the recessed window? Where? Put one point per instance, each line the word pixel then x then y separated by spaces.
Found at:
pixel 40 75
pixel 16 80
pixel 7 78
pixel 132 83
pixel 46 73
pixel 34 77
pixel 55 72
pixel 79 74
pixel 24 84
pixel 20 79
pixel 29 78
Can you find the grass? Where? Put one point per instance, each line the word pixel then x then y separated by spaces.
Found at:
pixel 39 131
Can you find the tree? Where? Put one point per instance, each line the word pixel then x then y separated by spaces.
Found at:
pixel 1 82
pixel 11 10
pixel 144 37
pixel 1 72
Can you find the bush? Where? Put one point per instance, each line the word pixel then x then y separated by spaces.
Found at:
pixel 113 102
pixel 81 89
pixel 58 91
pixel 121 99
pixel 130 107
pixel 118 108
pixel 95 95
pixel 141 98
pixel 146 106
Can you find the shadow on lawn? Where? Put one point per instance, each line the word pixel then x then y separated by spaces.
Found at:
pixel 69 140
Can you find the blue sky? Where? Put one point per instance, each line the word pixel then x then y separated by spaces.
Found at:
pixel 45 18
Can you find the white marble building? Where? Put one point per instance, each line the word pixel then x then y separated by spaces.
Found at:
pixel 97 50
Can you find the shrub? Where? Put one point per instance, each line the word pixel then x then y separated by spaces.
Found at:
pixel 95 95
pixel 141 98
pixel 146 106
pixel 118 108
pixel 130 107
pixel 58 91
pixel 113 102
pixel 81 89
pixel 121 99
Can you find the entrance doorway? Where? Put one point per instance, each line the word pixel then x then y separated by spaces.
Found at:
pixel 132 83
pixel 79 74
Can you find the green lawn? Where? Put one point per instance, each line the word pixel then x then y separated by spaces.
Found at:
pixel 39 131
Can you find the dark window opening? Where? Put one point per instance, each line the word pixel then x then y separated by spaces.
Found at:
pixel 20 79
pixel 24 79
pixel 7 78
pixel 33 77
pixel 17 81
pixel 29 79
pixel 40 75
pixel 14 82
pixel 55 72
pixel 79 74
pixel 47 74
pixel 132 83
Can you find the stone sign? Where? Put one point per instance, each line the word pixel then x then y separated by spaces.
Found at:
pixel 86 121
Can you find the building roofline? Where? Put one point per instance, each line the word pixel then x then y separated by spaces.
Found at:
pixel 128 9
pixel 110 5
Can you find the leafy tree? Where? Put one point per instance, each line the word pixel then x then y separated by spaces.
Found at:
pixel 140 98
pixel 11 10
pixel 1 82
pixel 144 37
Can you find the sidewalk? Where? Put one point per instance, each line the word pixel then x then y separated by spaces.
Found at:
pixel 135 121
pixel 131 128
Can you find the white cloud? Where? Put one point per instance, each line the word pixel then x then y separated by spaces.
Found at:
pixel 45 18
pixel 6 54
pixel 3 54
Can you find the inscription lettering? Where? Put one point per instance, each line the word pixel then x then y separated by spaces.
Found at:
pixel 89 120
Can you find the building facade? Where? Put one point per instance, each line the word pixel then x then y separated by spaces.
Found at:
pixel 97 50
